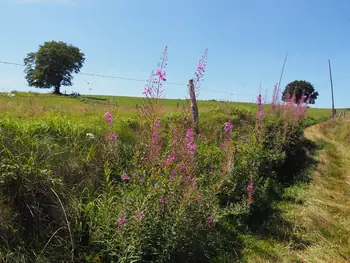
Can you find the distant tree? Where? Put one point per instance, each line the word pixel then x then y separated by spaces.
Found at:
pixel 52 65
pixel 303 90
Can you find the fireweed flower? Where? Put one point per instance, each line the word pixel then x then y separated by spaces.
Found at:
pixel 199 74
pixel 139 213
pixel 122 221
pixel 125 176
pixel 108 117
pixel 211 221
pixel 161 74
pixel 250 187
pixel 147 91
pixel 182 167
pixel 261 113
pixel 157 124
pixel 198 197
pixel 112 136
pixel 164 200
pixel 171 158
pixel 191 144
pixel 228 127
pixel 173 173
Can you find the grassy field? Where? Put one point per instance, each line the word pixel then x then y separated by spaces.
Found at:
pixel 239 191
pixel 41 105
pixel 312 222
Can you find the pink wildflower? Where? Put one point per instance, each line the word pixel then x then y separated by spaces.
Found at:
pixel 170 160
pixel 161 74
pixel 211 221
pixel 122 221
pixel 139 213
pixel 147 91
pixel 173 172
pixel 258 100
pixel 198 197
pixel 191 144
pixel 228 127
pixel 199 74
pixel 164 200
pixel 108 117
pixel 112 136
pixel 223 145
pixel 157 123
pixel 125 176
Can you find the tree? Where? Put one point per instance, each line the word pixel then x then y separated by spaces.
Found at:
pixel 52 66
pixel 303 91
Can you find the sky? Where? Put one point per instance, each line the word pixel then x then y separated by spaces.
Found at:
pixel 247 42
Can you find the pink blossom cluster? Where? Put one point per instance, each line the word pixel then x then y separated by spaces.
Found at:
pixel 199 74
pixel 147 91
pixel 125 176
pixel 108 117
pixel 161 74
pixel 154 86
pixel 211 221
pixel 122 220
pixel 190 142
pixel 261 112
pixel 228 127
pixel 109 120
pixel 164 200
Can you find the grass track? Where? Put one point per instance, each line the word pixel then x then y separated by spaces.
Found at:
pixel 315 226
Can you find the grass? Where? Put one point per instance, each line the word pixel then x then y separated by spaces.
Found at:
pixel 41 105
pixel 69 186
pixel 313 221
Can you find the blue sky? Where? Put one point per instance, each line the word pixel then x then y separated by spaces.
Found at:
pixel 247 42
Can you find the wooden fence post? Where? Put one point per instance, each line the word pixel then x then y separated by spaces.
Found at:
pixel 194 107
pixel 340 114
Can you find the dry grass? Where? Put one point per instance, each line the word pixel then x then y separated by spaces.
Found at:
pixel 319 226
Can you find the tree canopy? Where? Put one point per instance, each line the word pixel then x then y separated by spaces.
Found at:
pixel 52 65
pixel 303 91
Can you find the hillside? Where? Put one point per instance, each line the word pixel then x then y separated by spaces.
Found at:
pixel 36 104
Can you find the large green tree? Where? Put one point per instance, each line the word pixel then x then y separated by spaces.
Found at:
pixel 303 90
pixel 52 65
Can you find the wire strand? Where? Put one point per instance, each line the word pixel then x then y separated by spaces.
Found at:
pixel 125 78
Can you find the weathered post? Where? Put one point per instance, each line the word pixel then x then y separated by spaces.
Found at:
pixel 340 114
pixel 334 111
pixel 194 107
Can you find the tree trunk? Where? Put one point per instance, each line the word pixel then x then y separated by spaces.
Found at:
pixel 57 89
